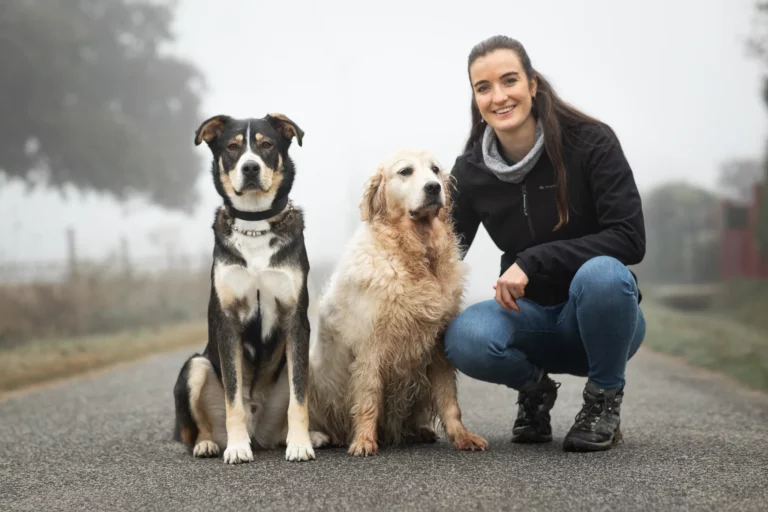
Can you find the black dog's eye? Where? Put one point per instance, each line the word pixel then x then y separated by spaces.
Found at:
pixel 435 169
pixel 233 147
pixel 406 171
pixel 266 145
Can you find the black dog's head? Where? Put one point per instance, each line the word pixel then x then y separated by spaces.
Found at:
pixel 251 166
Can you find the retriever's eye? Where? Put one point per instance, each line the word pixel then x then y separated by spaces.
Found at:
pixel 406 171
pixel 435 169
pixel 233 147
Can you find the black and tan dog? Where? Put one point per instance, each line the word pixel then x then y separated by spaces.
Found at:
pixel 248 388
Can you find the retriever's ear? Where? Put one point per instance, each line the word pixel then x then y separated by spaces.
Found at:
pixel 449 187
pixel 210 129
pixel 286 127
pixel 374 202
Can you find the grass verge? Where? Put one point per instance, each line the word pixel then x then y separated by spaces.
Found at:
pixel 711 340
pixel 38 361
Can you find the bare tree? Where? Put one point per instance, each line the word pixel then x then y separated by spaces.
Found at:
pixel 90 97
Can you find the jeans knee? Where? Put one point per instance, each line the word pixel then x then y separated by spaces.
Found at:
pixel 452 341
pixel 468 336
pixel 603 276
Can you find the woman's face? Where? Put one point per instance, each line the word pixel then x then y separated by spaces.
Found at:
pixel 503 92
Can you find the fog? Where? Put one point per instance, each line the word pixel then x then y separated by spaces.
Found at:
pixel 672 78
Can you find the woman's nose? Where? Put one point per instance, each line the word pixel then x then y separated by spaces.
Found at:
pixel 498 95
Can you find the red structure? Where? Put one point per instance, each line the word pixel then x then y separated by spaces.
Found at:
pixel 739 256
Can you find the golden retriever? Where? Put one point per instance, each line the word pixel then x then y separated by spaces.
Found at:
pixel 378 373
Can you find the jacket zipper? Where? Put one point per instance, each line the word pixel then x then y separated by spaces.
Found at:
pixel 525 211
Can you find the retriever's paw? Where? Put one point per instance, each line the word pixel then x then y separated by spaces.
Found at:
pixel 427 435
pixel 206 449
pixel 470 442
pixel 299 452
pixel 363 447
pixel 319 439
pixel 237 452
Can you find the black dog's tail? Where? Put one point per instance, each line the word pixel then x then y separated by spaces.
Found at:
pixel 185 429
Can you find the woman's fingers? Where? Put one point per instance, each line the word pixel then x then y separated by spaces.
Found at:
pixel 507 300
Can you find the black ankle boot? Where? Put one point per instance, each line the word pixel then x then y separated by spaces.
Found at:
pixel 597 425
pixel 532 423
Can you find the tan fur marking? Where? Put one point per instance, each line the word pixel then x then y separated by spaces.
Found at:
pixel 186 436
pixel 298 414
pixel 209 130
pixel 224 292
pixel 270 180
pixel 235 412
pixel 198 373
pixel 226 182
pixel 287 127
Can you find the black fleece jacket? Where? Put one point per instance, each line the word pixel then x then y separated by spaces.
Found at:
pixel 605 211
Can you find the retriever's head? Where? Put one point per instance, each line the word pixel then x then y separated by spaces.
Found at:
pixel 409 183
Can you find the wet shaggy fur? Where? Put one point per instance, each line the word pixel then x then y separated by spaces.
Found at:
pixel 378 373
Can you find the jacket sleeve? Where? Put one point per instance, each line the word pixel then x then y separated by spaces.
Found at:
pixel 619 215
pixel 465 219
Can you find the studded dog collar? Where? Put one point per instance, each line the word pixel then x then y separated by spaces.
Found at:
pixel 254 232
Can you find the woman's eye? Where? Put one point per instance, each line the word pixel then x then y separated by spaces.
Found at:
pixel 407 171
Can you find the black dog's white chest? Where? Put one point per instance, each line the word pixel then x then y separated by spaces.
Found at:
pixel 258 287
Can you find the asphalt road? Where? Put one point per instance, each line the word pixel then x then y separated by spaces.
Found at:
pixel 102 442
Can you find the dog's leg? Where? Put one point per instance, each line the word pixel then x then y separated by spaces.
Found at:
pixel 299 444
pixel 443 378
pixel 205 393
pixel 231 356
pixel 421 426
pixel 367 403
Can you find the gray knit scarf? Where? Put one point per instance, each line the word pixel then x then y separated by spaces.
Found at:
pixel 495 162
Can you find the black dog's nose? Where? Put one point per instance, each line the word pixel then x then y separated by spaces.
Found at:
pixel 250 168
pixel 432 188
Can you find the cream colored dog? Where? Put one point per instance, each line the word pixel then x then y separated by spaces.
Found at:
pixel 378 373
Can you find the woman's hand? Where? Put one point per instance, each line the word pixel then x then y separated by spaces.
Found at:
pixel 510 287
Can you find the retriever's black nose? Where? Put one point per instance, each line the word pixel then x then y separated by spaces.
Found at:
pixel 250 168
pixel 432 188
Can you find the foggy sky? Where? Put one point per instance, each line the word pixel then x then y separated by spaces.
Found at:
pixel 673 78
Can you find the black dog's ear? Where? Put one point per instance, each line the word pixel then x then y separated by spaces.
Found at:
pixel 286 127
pixel 210 129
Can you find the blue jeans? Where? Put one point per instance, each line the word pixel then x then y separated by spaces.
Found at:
pixel 594 333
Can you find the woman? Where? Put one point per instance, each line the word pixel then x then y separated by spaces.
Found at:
pixel 555 193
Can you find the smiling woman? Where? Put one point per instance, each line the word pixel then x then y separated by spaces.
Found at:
pixel 554 191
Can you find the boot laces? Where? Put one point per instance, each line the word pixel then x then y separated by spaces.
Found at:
pixel 592 410
pixel 534 404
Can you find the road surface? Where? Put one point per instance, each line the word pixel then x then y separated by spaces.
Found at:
pixel 693 441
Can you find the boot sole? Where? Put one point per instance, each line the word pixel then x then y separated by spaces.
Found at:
pixel 531 439
pixel 579 445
